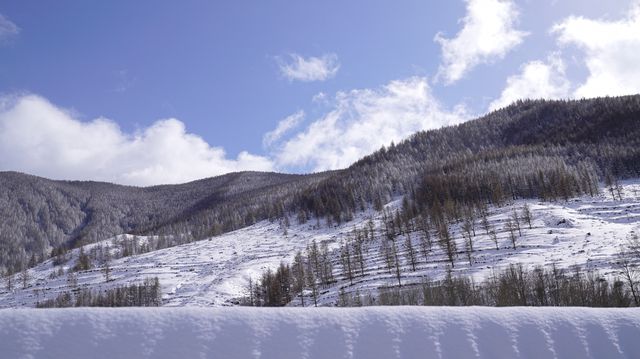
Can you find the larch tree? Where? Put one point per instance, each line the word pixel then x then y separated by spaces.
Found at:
pixel 387 254
pixel 346 260
pixel 410 252
pixel 516 221
pixel 299 278
pixel 526 214
pixel 494 238
pixel 446 241
pixel 511 228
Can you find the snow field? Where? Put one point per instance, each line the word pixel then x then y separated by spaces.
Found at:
pixel 374 332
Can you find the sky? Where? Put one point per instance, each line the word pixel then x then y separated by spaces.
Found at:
pixel 155 92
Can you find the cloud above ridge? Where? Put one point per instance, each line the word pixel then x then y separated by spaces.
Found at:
pixel 359 122
pixel 298 68
pixel 39 138
pixel 611 52
pixel 488 34
pixel 285 125
pixel 536 80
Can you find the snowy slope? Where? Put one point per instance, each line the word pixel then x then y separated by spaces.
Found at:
pixel 585 231
pixel 376 332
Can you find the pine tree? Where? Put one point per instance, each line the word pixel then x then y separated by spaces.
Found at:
pixel 357 300
pixel 343 299
pixel 484 220
pixel 387 254
pixel 314 258
pixel 106 270
pixel 394 249
pixel 299 277
pixel 467 235
pixel 358 247
pixel 425 247
pixel 311 281
pixel 8 282
pixel 426 230
pixel 516 222
pixel 468 244
pixel 609 183
pixel 494 238
pixel 631 276
pixel 84 262
pixel 251 291
pixel 511 227
pixel 326 266
pixel 447 242
pixel 345 257
pixel 526 214
pixel 618 188
pixel 410 252
pixel 24 277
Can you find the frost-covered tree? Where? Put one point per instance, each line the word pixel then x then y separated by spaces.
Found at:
pixel 410 252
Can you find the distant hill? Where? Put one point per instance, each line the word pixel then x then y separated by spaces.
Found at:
pixel 37 214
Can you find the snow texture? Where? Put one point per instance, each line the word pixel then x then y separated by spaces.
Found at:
pixel 381 332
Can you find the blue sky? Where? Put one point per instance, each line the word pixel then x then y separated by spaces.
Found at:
pixel 146 92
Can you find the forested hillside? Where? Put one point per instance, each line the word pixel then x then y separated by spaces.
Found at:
pixel 545 149
pixel 531 149
pixel 41 218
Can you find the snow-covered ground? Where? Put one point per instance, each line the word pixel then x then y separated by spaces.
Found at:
pixel 584 231
pixel 374 332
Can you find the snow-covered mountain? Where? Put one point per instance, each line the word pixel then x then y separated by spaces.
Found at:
pixel 531 149
pixel 585 231
pixel 574 164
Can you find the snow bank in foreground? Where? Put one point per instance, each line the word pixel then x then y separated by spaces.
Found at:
pixel 382 332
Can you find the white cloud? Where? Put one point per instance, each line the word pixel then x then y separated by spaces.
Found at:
pixel 537 79
pixel 319 98
pixel 611 52
pixel 309 69
pixel 38 138
pixel 488 34
pixel 362 121
pixel 7 28
pixel 284 126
